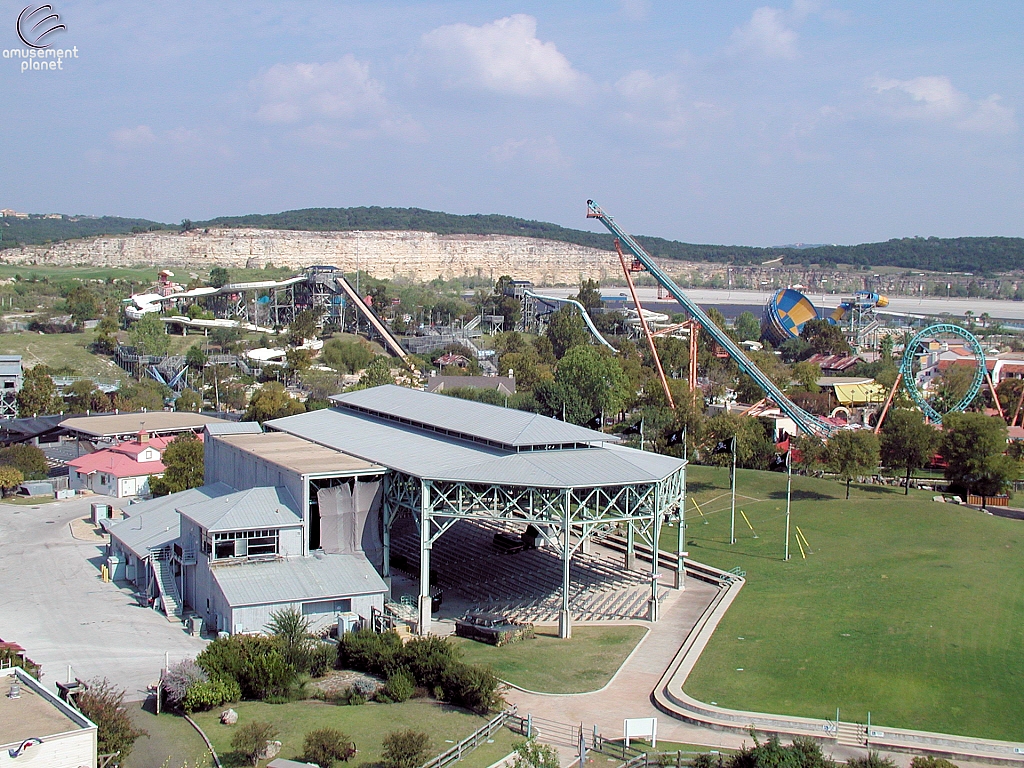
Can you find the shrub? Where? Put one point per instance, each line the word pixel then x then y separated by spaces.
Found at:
pixel 368 651
pixel 102 703
pixel 400 686
pixel 931 762
pixel 873 760
pixel 427 658
pixel 251 740
pixel 405 749
pixel 471 686
pixel 180 677
pixel 530 753
pixel 254 662
pixel 207 694
pixel 321 658
pixel 326 746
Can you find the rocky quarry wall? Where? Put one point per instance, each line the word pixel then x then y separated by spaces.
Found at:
pixel 419 256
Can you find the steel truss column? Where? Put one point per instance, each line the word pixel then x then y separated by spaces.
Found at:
pixel 564 619
pixel 652 604
pixel 425 546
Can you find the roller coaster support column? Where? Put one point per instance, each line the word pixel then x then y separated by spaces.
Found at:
pixel 652 605
pixel 564 619
pixel 995 397
pixel 888 402
pixel 732 482
pixel 426 508
pixel 643 324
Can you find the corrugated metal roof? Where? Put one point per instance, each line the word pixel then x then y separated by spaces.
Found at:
pixel 156 523
pixel 234 428
pixel 441 457
pixel 130 423
pixel 261 507
pixel 10 369
pixel 300 579
pixel 479 421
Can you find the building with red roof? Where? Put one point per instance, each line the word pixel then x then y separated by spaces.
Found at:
pixel 121 471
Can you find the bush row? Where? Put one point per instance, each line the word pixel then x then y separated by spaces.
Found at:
pixel 430 662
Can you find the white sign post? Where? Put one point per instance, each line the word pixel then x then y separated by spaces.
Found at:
pixel 640 727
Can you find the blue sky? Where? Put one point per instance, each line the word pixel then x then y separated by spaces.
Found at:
pixel 735 122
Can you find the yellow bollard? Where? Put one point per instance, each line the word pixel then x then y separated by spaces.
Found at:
pixel 104 573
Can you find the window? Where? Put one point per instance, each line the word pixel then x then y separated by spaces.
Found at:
pixel 327 607
pixel 238 544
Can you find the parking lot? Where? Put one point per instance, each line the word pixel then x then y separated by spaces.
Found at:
pixel 54 604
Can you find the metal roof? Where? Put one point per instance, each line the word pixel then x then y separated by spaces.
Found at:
pixel 479 422
pixel 435 456
pixel 10 369
pixel 298 579
pixel 132 423
pixel 154 524
pixel 234 428
pixel 299 455
pixel 261 507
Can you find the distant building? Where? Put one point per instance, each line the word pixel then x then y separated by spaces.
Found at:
pixel 452 358
pixel 11 377
pixel 835 365
pixel 121 471
pixel 7 213
pixel 505 385
pixel 40 729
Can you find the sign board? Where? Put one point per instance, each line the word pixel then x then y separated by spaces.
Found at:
pixel 640 728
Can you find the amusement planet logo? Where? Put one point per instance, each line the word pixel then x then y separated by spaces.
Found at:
pixel 36 24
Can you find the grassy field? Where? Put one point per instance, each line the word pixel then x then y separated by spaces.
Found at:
pixel 905 608
pixel 549 665
pixel 367 725
pixel 58 350
pixel 171 743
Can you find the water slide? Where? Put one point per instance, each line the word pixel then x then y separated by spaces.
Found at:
pixel 390 340
pixel 807 422
pixel 144 303
pixel 583 312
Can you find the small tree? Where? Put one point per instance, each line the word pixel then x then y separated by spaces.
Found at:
pixel 378 372
pixel 102 703
pixel 250 740
pixel 850 453
pixel 405 749
pixel 272 401
pixel 183 459
pixel 29 459
pixel 149 336
pixel 907 442
pixel 38 393
pixel 10 477
pixel 291 629
pixel 189 400
pixel 530 753
pixel 304 325
pixel 219 277
pixel 327 746
pixel 973 445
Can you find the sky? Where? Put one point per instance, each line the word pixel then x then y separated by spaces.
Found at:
pixel 815 121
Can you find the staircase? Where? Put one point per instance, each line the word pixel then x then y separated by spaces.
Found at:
pixel 851 735
pixel 168 587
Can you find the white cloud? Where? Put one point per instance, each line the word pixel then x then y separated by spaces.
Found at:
pixel 659 105
pixel 343 89
pixel 936 99
pixel 138 136
pixel 767 34
pixel 544 151
pixel 504 56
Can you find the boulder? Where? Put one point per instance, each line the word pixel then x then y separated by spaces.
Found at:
pixel 229 717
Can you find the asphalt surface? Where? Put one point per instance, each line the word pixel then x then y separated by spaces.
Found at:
pixel 54 604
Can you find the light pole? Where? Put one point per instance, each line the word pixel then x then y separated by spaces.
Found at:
pixel 732 482
pixel 789 494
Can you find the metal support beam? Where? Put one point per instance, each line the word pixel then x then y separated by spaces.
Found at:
pixel 425 545
pixel 564 619
pixel 652 606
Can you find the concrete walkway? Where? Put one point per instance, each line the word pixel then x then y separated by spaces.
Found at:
pixel 54 604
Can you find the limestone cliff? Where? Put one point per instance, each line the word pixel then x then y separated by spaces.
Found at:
pixel 417 256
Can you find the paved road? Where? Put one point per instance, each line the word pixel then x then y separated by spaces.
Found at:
pixel 54 604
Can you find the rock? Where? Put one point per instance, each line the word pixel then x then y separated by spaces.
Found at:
pixel 229 717
pixel 272 750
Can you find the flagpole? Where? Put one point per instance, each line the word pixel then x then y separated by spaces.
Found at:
pixel 789 494
pixel 641 433
pixel 732 516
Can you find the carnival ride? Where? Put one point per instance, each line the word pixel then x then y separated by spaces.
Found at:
pixel 806 422
pixel 907 376
pixel 785 314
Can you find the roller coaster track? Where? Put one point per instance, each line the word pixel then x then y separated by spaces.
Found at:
pixel 583 312
pixel 807 422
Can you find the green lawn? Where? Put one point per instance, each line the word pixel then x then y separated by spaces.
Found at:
pixel 367 725
pixel 171 743
pixel 904 607
pixel 61 349
pixel 549 665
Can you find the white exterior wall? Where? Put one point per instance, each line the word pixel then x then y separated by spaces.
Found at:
pixel 254 618
pixel 70 750
pixel 289 542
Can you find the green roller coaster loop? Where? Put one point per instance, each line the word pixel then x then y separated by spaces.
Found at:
pixel 907 368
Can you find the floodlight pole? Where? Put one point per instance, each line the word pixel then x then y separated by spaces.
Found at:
pixel 789 495
pixel 732 478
